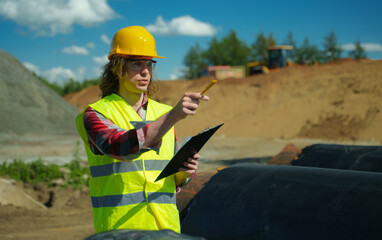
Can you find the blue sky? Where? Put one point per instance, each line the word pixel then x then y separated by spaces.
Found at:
pixel 59 39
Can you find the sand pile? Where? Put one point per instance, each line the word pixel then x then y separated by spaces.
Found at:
pixel 336 101
pixel 29 107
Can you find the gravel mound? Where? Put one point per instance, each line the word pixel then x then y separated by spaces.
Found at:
pixel 27 106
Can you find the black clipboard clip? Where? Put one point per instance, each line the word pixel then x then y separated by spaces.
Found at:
pixel 191 146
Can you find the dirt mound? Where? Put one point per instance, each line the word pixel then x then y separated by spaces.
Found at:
pixel 337 101
pixel 27 105
pixel 68 216
pixel 11 194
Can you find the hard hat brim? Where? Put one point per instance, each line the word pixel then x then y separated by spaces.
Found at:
pixel 111 54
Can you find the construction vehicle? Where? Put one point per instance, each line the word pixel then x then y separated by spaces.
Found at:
pixel 278 57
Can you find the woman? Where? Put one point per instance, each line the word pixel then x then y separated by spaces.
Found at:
pixel 129 138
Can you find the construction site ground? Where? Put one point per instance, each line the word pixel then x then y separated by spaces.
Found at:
pixel 70 216
pixel 338 103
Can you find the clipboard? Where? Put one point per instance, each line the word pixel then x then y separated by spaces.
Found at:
pixel 190 146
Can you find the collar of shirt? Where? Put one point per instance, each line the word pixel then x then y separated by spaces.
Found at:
pixel 144 102
pixel 142 109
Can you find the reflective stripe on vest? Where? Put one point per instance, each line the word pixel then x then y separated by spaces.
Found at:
pixel 133 198
pixel 123 167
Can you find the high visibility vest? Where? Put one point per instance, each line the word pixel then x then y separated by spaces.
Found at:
pixel 123 193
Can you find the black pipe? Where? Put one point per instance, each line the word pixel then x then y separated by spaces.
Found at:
pixel 350 157
pixel 249 201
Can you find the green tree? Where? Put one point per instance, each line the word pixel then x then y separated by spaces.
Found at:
pixel 90 82
pixel 229 51
pixel 194 62
pixel 71 85
pixel 260 47
pixel 214 53
pixel 291 42
pixel 236 52
pixel 358 52
pixel 332 50
pixel 308 53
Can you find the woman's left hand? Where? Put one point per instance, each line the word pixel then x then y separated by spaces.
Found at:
pixel 191 164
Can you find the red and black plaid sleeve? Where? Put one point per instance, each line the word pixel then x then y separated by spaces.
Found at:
pixel 106 138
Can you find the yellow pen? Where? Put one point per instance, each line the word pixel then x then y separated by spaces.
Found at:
pixel 209 86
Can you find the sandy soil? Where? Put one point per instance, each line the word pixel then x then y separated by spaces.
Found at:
pixel 334 103
pixel 69 218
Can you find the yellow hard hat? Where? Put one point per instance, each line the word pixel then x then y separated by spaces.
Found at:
pixel 135 41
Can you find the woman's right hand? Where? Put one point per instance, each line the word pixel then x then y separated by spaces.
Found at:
pixel 188 104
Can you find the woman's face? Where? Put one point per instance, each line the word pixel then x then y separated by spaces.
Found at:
pixel 138 74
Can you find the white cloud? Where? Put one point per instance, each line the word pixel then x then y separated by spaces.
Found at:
pixel 97 71
pixel 173 77
pixel 183 26
pixel 348 46
pixel 58 74
pixel 61 75
pixel 100 60
pixel 176 74
pixel 48 18
pixel 75 50
pixel 32 68
pixel 90 45
pixel 80 73
pixel 368 47
pixel 372 47
pixel 105 39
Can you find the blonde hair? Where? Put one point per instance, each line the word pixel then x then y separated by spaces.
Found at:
pixel 114 71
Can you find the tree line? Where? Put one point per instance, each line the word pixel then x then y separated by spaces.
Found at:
pixel 230 50
pixel 69 86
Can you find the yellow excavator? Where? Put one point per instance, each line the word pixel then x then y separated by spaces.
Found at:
pixel 279 57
